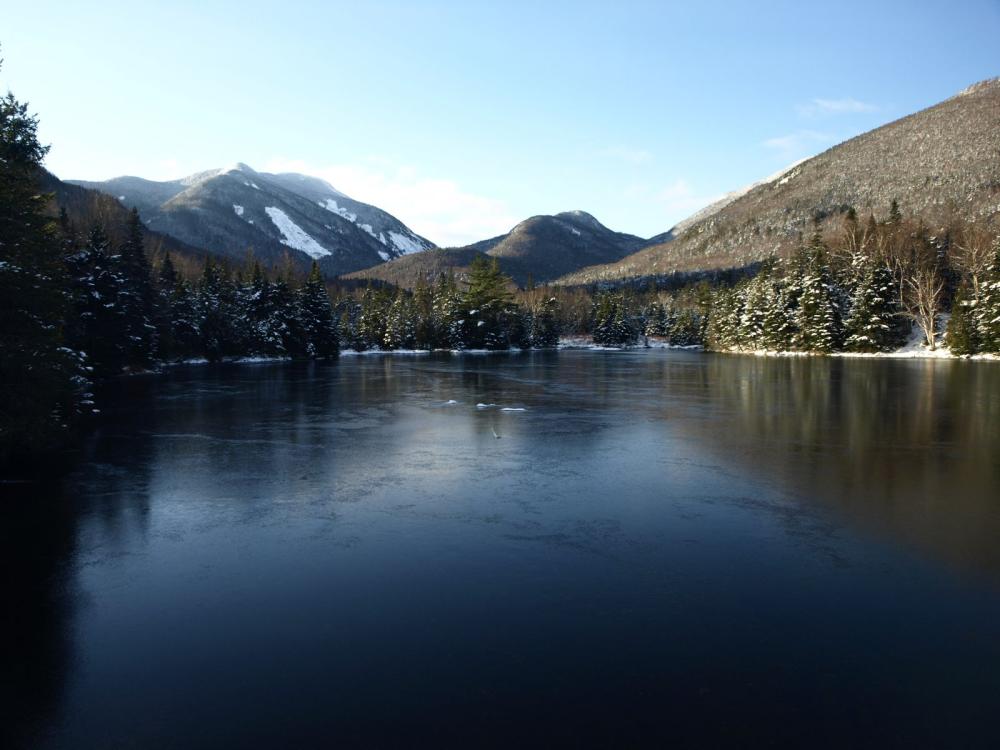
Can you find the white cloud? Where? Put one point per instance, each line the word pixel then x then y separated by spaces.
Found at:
pixel 440 210
pixel 626 154
pixel 799 143
pixel 825 107
pixel 673 202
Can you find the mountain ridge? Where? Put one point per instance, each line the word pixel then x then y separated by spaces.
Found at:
pixel 234 209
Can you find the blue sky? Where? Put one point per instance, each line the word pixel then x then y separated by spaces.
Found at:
pixel 462 118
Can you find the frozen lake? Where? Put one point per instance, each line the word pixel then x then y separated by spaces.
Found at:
pixel 572 548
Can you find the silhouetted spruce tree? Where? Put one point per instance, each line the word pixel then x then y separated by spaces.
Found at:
pixel 424 336
pixel 98 325
pixel 288 317
pixel 371 322
pixel 318 321
pixel 217 308
pixel 545 325
pixel 264 332
pixel 138 298
pixel 42 381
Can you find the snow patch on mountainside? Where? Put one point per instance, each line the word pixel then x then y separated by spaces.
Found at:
pixel 331 205
pixel 238 209
pixel 295 236
pixel 405 244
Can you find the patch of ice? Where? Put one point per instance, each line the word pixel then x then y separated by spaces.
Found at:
pixel 513 408
pixel 294 236
pixel 485 406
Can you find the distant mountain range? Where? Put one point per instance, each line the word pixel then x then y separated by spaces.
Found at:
pixel 541 248
pixel 943 161
pixel 233 210
pixel 940 162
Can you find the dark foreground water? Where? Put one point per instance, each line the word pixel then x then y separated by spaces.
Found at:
pixel 661 549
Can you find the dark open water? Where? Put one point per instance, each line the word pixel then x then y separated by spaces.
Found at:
pixel 663 548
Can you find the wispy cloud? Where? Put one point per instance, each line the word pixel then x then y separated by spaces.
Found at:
pixel 799 143
pixel 628 155
pixel 826 107
pixel 441 210
pixel 671 202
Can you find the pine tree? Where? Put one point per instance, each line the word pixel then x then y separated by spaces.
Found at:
pixel 818 318
pixel 777 328
pixel 288 320
pixel 487 306
pixel 423 306
pixel 98 326
pixel 545 325
pixel 871 326
pixel 138 299
pixel 962 337
pixel 217 312
pixel 42 381
pixel 988 311
pixel 318 321
pixel 448 320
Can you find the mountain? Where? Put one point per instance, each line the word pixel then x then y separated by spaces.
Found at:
pixel 937 163
pixel 540 248
pixel 85 207
pixel 229 211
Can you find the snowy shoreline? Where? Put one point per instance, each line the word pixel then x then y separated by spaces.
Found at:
pixel 913 349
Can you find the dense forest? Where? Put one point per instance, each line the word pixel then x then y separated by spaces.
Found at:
pixel 76 307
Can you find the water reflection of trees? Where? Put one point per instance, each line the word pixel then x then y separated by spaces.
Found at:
pixel 908 449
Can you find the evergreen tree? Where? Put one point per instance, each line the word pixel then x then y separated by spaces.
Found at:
pixel 98 326
pixel 138 298
pixel 264 332
pixel 988 311
pixel 487 306
pixel 962 337
pixel 425 335
pixel 870 326
pixel 288 320
pixel 447 319
pixel 371 322
pixel 185 321
pixel 818 318
pixel 217 308
pixel 776 327
pixel 42 381
pixel 318 321
pixel 545 325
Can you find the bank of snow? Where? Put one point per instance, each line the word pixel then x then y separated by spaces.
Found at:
pixel 294 235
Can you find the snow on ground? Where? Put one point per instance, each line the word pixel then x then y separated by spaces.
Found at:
pixel 513 408
pixel 331 205
pixel 238 209
pixel 295 236
pixel 404 243
pixel 384 255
